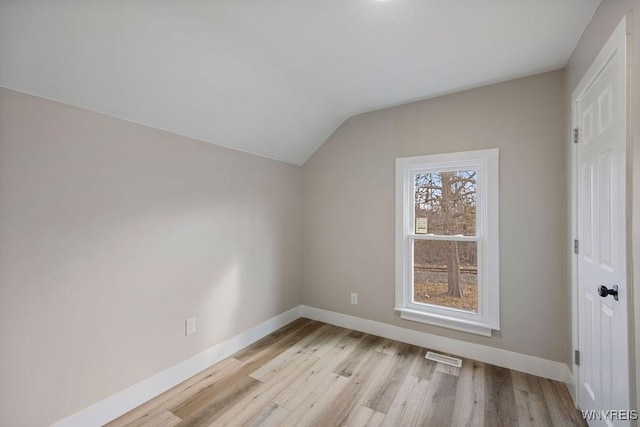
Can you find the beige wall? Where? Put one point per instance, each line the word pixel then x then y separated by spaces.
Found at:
pixel 348 207
pixel 605 20
pixel 111 235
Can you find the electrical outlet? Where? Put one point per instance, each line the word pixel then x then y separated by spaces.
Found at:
pixel 190 326
pixel 354 298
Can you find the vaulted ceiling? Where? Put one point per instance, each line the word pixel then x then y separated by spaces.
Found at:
pixel 274 77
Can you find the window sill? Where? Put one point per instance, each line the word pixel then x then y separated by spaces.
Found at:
pixel 445 321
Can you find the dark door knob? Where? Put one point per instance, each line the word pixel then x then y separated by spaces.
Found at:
pixel 604 292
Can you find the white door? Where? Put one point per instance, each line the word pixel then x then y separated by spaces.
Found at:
pixel 600 115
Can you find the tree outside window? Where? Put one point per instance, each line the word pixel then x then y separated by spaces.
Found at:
pixel 445 205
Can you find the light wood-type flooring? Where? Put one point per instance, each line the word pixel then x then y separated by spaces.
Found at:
pixel 309 373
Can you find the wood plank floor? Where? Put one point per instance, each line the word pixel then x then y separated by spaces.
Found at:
pixel 310 373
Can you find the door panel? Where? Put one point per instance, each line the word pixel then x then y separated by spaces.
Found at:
pixel 604 205
pixel 589 344
pixel 587 212
pixel 607 333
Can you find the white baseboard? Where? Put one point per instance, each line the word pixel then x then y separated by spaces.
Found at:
pixel 482 353
pixel 120 403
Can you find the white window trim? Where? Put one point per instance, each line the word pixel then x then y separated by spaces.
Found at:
pixel 487 236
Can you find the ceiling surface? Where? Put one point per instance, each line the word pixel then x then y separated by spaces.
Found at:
pixel 274 77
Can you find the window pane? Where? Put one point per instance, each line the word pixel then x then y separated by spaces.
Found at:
pixel 445 203
pixel 445 273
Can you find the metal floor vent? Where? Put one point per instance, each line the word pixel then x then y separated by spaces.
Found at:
pixel 443 359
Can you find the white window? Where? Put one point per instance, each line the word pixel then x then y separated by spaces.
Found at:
pixel 447 258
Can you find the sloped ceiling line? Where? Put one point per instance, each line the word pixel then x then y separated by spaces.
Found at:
pixel 274 78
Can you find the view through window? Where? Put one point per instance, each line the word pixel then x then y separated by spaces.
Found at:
pixel 445 272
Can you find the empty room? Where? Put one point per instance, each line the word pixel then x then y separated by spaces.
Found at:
pixel 341 212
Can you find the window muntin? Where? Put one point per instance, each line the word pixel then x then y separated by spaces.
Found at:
pixel 448 204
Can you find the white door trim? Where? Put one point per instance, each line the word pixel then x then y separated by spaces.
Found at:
pixel 617 38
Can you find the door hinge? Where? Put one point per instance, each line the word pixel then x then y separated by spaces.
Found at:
pixel 575 135
pixel 576 357
pixel 576 246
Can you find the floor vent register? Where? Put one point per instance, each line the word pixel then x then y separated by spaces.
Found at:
pixel 443 359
